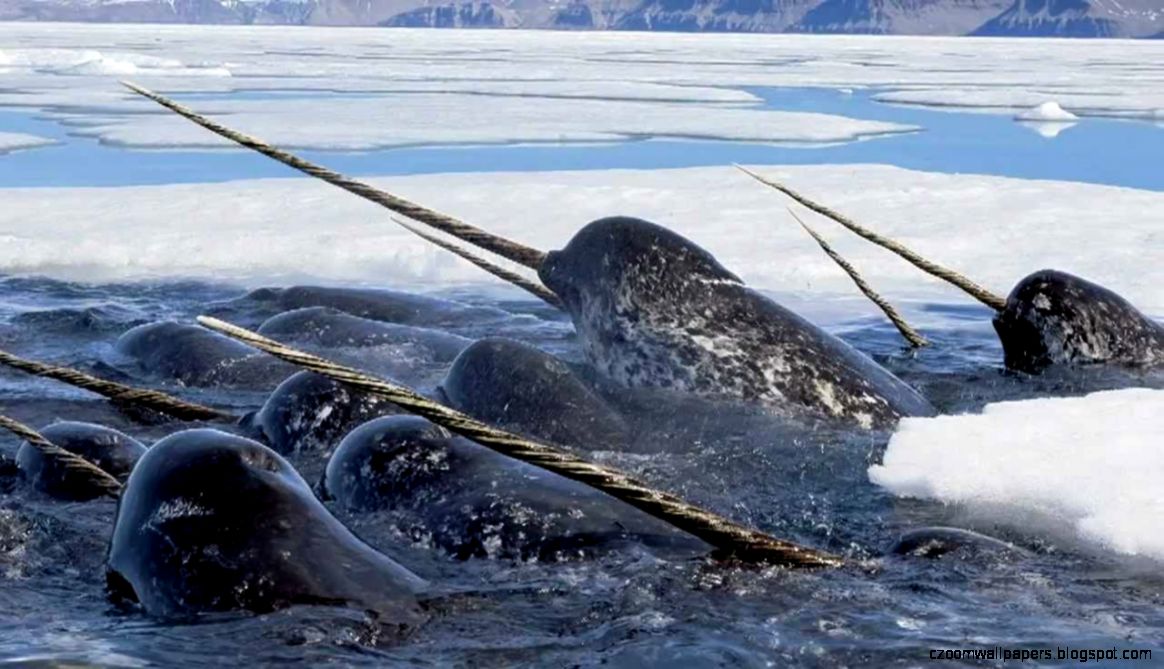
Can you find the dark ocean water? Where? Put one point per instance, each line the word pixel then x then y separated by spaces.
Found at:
pixel 632 608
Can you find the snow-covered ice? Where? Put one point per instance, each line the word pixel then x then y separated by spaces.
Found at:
pixel 1088 466
pixel 534 86
pixel 1047 112
pixel 995 229
pixel 12 141
pixel 360 124
pixel 90 62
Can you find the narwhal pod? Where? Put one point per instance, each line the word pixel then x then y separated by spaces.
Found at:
pixel 212 522
pixel 1055 318
pixel 653 309
pixel 311 412
pixel 381 305
pixel 524 389
pixel 473 502
pixel 113 451
pixel 1051 318
pixel 195 356
pixel 330 328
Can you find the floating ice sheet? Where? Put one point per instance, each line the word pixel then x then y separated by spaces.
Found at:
pixel 1047 112
pixel 1090 466
pixel 370 123
pixel 995 229
pixel 534 86
pixel 12 141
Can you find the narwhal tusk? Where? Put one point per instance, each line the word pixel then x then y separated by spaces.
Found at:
pixel 911 335
pixel 976 291
pixel 523 255
pixel 533 287
pixel 118 392
pixel 100 480
pixel 732 539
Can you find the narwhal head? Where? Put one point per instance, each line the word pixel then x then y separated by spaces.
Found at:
pixel 210 521
pixel 1056 318
pixel 628 259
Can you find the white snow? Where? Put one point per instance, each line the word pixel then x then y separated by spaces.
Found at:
pixel 994 229
pixel 102 65
pixel 369 123
pixel 1047 112
pixel 494 86
pixel 71 61
pixel 1087 467
pixel 12 141
pixel 1085 96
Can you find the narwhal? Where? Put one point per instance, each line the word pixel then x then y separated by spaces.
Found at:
pixel 654 309
pixel 1050 318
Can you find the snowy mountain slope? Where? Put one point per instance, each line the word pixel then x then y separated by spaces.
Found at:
pixel 715 15
pixel 1077 18
pixel 1063 18
pixel 918 17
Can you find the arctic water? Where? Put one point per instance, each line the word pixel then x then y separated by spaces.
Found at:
pixel 1118 152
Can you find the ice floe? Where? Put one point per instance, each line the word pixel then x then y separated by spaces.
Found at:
pixel 1047 112
pixel 1089 467
pixel 995 229
pixel 533 86
pixel 371 123
pixel 13 141
pixel 90 62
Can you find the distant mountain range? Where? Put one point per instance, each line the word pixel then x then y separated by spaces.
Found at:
pixel 1050 18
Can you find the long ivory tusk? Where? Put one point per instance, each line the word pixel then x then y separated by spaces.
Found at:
pixel 976 291
pixel 524 255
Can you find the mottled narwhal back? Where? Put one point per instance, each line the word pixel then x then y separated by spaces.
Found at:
pixel 473 502
pixel 1055 318
pixel 653 309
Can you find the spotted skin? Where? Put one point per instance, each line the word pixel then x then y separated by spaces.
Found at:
pixel 308 412
pixel 1055 318
pixel 652 309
